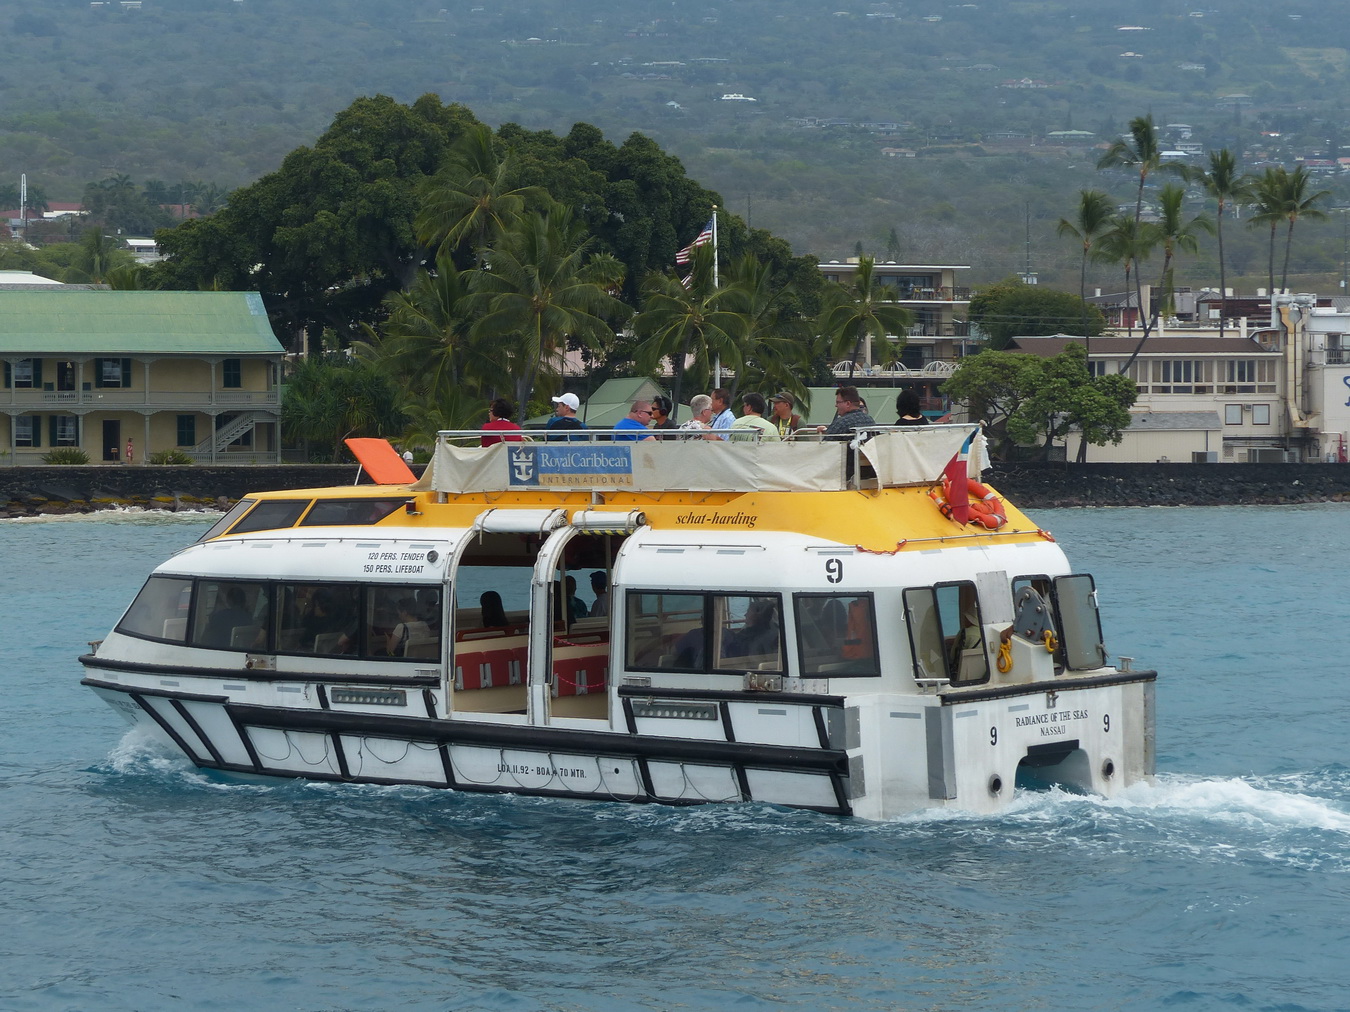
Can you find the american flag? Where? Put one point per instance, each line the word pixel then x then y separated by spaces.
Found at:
pixel 702 239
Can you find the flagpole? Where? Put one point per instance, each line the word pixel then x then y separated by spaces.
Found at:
pixel 717 359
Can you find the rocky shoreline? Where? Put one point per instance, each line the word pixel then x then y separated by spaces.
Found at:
pixel 40 491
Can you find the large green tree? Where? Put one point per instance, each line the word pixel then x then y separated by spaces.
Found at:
pixel 334 397
pixel 330 233
pixel 1026 400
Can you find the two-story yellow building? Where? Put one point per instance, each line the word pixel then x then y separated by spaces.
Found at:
pixel 128 374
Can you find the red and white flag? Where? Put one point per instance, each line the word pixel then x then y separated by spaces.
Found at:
pixel 702 239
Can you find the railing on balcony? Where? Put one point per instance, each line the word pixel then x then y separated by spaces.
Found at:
pixel 937 293
pixel 935 370
pixel 113 397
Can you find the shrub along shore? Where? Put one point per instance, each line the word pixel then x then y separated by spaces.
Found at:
pixel 37 491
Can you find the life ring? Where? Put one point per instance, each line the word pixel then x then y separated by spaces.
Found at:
pixel 985 509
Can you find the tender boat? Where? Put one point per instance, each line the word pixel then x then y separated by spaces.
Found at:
pixel 824 625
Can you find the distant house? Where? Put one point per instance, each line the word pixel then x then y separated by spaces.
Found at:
pixel 100 370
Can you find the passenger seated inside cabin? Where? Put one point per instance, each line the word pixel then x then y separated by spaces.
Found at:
pixel 576 607
pixel 490 607
pixel 220 626
pixel 759 634
pixel 330 624
pixel 688 651
pixel 600 588
pixel 410 629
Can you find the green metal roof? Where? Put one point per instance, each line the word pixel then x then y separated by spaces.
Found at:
pixel 62 322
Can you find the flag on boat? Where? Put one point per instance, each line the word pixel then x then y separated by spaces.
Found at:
pixel 957 473
pixel 702 239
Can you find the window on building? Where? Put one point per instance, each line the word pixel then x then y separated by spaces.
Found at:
pixel 1260 414
pixel 1096 367
pixel 1178 376
pixel 26 373
pixel 187 430
pixel 232 374
pixel 64 430
pixel 112 372
pixel 1232 414
pixel 28 430
pixel 1337 348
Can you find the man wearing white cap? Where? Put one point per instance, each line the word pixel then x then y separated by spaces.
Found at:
pixel 565 407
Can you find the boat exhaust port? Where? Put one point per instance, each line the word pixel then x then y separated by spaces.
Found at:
pixel 1108 769
pixel 996 784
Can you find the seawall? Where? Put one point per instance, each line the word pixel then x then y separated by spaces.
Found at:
pixel 29 491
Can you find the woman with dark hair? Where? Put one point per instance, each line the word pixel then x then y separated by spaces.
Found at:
pixel 661 407
pixel 499 420
pixel 491 606
pixel 908 409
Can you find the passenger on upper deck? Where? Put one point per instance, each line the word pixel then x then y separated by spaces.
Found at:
pixel 700 422
pixel 849 415
pixel 661 416
pixel 752 420
pixel 565 408
pixel 908 409
pixel 633 425
pixel 499 420
pixel 722 413
pixel 783 419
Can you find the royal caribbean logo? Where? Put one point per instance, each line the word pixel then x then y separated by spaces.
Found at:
pixel 570 465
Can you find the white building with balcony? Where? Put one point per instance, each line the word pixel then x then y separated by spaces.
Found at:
pixel 105 371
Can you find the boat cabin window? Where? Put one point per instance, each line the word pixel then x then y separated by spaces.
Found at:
pixel 946 633
pixel 160 611
pixel 322 618
pixel 384 621
pixel 1073 602
pixel 227 521
pixel 704 632
pixel 271 515
pixel 351 512
pixel 231 615
pixel 836 634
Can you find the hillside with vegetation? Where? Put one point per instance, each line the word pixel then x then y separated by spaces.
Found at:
pixel 956 133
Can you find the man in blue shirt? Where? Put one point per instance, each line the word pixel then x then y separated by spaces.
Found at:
pixel 565 418
pixel 723 416
pixel 634 424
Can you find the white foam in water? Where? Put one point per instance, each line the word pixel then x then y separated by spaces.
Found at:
pixel 1234 800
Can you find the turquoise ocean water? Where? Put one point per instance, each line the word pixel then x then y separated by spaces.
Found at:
pixel 132 881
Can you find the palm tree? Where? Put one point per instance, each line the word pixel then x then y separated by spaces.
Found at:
pixel 470 202
pixel 777 339
pixel 689 317
pixel 1267 193
pixel 1141 152
pixel 544 288
pixel 1295 203
pixel 427 347
pixel 1128 242
pixel 1223 182
pixel 861 310
pixel 1174 234
pixel 1091 222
